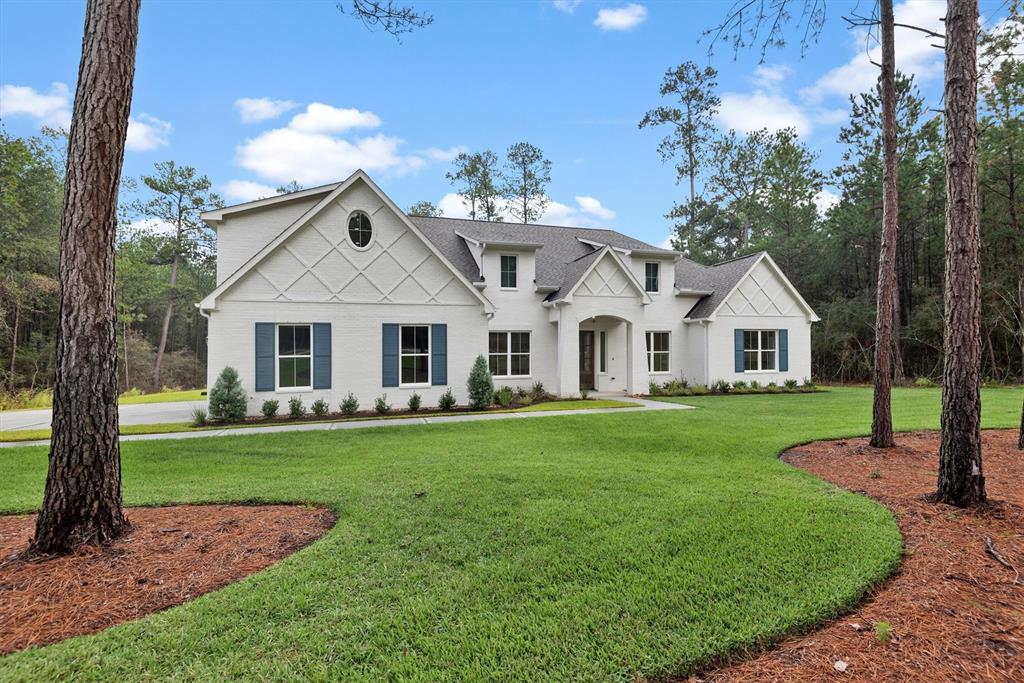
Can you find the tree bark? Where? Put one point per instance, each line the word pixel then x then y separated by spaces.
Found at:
pixel 14 341
pixel 82 501
pixel 1020 439
pixel 166 325
pixel 961 481
pixel 881 420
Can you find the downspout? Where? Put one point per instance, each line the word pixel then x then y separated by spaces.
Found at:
pixel 704 324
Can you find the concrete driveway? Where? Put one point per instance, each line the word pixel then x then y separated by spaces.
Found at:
pixel 135 414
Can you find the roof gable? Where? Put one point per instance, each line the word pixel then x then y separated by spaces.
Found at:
pixel 726 281
pixel 601 273
pixel 306 262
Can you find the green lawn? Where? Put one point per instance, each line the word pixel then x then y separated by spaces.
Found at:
pixel 165 397
pixel 596 547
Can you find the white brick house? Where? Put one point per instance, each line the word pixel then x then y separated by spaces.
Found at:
pixel 334 289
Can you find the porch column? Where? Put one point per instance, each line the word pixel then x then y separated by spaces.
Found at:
pixel 568 353
pixel 636 356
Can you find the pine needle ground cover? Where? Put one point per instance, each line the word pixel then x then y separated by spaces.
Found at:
pixel 591 547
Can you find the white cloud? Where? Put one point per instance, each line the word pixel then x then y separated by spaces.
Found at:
pixel 621 18
pixel 323 118
pixel 246 190
pixel 151 225
pixel 52 108
pixel 825 200
pixel 915 54
pixel 747 112
pixel 567 6
pixel 253 109
pixel 147 132
pixel 593 207
pixel 556 213
pixel 312 151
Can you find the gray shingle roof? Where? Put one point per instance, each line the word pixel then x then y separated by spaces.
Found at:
pixel 718 279
pixel 562 258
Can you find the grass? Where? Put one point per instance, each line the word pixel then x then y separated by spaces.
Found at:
pixel 164 397
pixel 17 435
pixel 44 399
pixel 600 547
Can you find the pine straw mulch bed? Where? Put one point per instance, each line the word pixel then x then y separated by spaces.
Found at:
pixel 956 612
pixel 171 555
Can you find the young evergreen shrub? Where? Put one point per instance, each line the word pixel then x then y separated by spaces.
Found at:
pixel 538 392
pixel 653 388
pixel 320 407
pixel 447 400
pixel 480 385
pixel 698 390
pixel 739 386
pixel 503 397
pixel 381 405
pixel 350 404
pixel 755 385
pixel 414 402
pixel 808 385
pixel 269 408
pixel 790 385
pixel 772 387
pixel 295 407
pixel 227 399
pixel 721 387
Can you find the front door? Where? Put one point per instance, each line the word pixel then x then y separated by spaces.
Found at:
pixel 586 359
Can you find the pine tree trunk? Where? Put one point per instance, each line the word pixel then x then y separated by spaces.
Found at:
pixel 14 341
pixel 961 481
pixel 881 421
pixel 166 326
pixel 1020 439
pixel 82 501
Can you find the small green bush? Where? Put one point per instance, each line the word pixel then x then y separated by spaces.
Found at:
pixel 698 390
pixel 504 397
pixel 381 405
pixel 755 385
pixel 924 382
pixel 721 387
pixel 447 400
pixel 134 391
pixel 538 391
pixel 883 631
pixel 654 389
pixel 584 393
pixel 414 402
pixel 808 385
pixel 521 393
pixel 295 407
pixel 349 404
pixel 480 385
pixel 525 400
pixel 320 407
pixel 772 387
pixel 790 385
pixel 198 417
pixel 269 408
pixel 674 387
pixel 739 385
pixel 227 398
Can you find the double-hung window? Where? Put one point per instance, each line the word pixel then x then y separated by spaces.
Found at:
pixel 652 271
pixel 509 271
pixel 657 352
pixel 760 350
pixel 414 354
pixel 294 357
pixel 508 354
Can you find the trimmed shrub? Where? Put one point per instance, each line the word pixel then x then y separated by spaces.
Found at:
pixel 538 392
pixel 198 417
pixel 790 384
pixel 504 396
pixel 808 385
pixel 698 390
pixel 525 400
pixel 381 405
pixel 269 408
pixel 350 404
pixel 674 387
pixel 739 385
pixel 923 382
pixel 447 400
pixel 755 385
pixel 521 393
pixel 480 385
pixel 414 402
pixel 653 388
pixel 295 407
pixel 772 387
pixel 721 387
pixel 320 407
pixel 227 399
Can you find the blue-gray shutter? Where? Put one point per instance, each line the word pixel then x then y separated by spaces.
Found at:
pixel 264 356
pixel 783 350
pixel 439 355
pixel 321 355
pixel 389 352
pixel 738 337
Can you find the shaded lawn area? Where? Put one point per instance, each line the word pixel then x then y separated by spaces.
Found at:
pixel 574 547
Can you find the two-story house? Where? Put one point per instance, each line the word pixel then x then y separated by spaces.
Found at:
pixel 334 289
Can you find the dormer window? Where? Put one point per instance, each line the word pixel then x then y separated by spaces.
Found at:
pixel 360 231
pixel 652 280
pixel 509 271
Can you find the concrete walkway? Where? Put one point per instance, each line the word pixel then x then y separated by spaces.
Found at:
pixel 643 405
pixel 131 414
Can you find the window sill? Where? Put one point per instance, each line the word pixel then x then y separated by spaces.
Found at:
pixel 293 390
pixel 415 386
pixel 512 377
pixel 659 372
pixel 760 372
pixel 508 289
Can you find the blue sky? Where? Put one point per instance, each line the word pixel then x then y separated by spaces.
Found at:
pixel 321 95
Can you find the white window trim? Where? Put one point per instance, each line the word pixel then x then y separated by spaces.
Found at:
pixel 649 349
pixel 430 348
pixel 760 370
pixel 657 289
pixel 278 357
pixel 508 352
pixel 348 235
pixel 508 289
